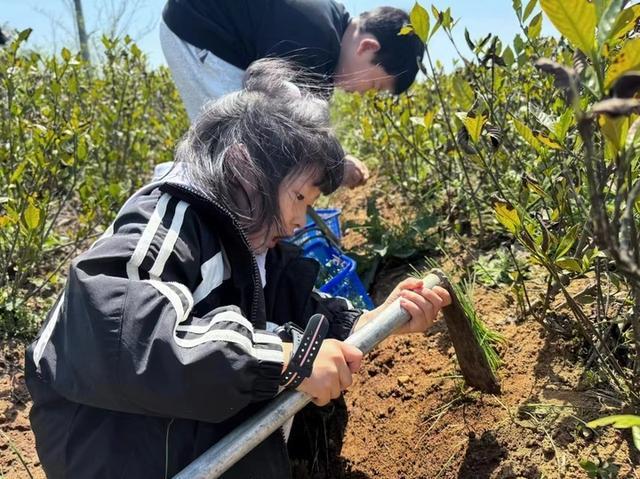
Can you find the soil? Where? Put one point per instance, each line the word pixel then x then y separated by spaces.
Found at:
pixel 409 414
pixel 17 444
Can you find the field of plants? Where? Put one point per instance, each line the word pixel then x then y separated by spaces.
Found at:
pixel 517 172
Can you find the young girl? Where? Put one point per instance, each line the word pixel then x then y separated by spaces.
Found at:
pixel 166 336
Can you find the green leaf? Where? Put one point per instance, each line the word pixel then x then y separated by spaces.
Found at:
pixel 590 467
pixel 533 186
pixel 474 126
pixel 545 140
pixel 114 190
pixel 535 27
pixel 615 130
pixel 575 20
pixel 518 44
pixel 567 241
pixel 419 18
pixel 435 12
pixel 528 9
pixel 367 128
pixel 569 264
pixel 24 34
pixel 137 53
pixel 517 7
pixel 508 216
pixel 32 216
pixel 545 238
pixel 562 125
pixel 66 54
pixel 600 6
pixel 627 59
pixel 527 135
pixel 467 38
pixel 406 30
pixel 633 137
pixel 463 92
pixel 428 118
pixel 508 56
pixel 626 20
pixel 13 215
pixel 17 173
pixel 619 421
pixel 608 21
pixel 82 149
pixel 445 19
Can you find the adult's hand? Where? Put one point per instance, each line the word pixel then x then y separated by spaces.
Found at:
pixel 356 172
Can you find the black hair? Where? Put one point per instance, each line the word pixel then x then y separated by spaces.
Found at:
pixel 243 145
pixel 399 54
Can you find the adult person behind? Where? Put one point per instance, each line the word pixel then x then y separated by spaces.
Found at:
pixel 209 43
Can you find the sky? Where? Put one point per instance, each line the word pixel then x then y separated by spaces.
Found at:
pixel 53 27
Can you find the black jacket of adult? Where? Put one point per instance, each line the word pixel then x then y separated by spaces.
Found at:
pixel 159 346
pixel 242 31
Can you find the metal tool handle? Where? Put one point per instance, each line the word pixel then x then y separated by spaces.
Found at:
pixel 235 445
pixel 322 226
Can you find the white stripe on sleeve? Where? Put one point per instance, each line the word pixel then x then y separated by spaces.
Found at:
pixel 212 272
pixel 133 265
pixel 38 350
pixel 272 355
pixel 169 241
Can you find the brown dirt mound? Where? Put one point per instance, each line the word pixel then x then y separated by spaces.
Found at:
pixel 410 415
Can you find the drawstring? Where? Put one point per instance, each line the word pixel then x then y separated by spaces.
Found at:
pixel 166 450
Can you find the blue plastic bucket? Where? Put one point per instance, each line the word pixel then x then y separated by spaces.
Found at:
pixel 338 275
pixel 331 218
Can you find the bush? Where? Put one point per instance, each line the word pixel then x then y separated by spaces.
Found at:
pixel 76 141
pixel 523 144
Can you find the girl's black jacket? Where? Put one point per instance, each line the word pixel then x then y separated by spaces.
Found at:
pixel 159 345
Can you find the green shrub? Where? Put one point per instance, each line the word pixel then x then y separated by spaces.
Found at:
pixel 522 143
pixel 75 141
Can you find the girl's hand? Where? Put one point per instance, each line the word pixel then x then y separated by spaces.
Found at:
pixel 332 370
pixel 421 303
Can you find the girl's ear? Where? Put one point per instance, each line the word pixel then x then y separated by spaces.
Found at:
pixel 368 45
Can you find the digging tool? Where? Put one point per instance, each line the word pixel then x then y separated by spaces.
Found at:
pixel 234 446
pixel 320 223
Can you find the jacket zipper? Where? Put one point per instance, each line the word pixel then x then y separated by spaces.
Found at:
pixel 257 282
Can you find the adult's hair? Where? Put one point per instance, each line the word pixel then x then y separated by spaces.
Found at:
pixel 242 146
pixel 398 54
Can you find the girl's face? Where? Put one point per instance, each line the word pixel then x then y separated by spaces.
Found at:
pixel 295 194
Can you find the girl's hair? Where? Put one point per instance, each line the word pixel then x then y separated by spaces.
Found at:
pixel 243 145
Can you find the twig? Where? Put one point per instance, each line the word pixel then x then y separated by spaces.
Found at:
pixel 446 464
pixel 17 453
